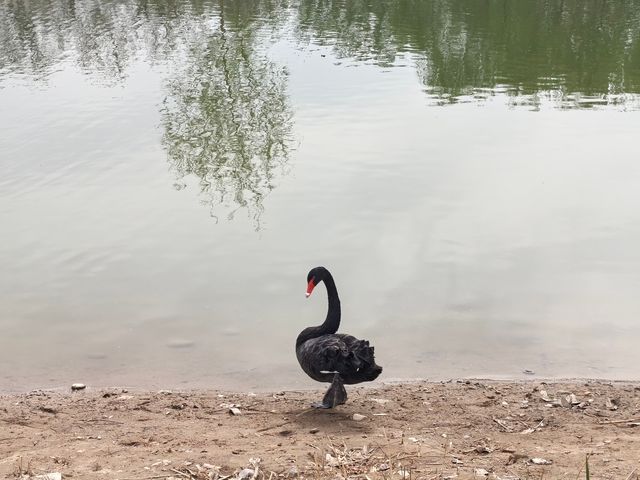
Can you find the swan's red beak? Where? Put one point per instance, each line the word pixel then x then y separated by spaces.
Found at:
pixel 310 288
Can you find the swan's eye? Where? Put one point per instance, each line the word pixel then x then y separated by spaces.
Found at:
pixel 310 286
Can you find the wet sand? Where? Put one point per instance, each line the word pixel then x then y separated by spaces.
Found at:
pixel 455 430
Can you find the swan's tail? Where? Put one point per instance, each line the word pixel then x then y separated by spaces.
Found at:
pixel 368 370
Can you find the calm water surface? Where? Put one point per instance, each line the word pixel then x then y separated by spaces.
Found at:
pixel 170 171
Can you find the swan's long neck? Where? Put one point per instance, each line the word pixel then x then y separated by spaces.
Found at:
pixel 332 322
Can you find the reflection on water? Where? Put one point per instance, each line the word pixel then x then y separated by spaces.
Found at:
pixel 227 120
pixel 574 52
pixel 102 38
pixel 478 238
pixel 579 53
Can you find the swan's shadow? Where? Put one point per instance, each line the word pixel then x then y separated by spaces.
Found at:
pixel 328 421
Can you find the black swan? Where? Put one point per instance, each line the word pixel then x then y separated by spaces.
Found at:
pixel 327 356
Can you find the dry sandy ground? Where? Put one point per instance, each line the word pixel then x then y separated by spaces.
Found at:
pixel 460 429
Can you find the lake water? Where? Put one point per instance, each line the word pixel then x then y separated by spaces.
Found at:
pixel 469 171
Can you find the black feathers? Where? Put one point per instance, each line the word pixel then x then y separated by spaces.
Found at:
pixel 325 355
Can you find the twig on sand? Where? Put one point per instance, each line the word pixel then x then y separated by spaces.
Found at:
pixel 250 411
pixel 103 420
pixel 180 473
pixel 631 474
pixel 501 423
pixel 6 439
pixel 17 421
pixel 611 422
pixel 274 426
pixel 284 423
pixel 145 478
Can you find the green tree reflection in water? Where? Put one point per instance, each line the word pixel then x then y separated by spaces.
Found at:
pixel 576 52
pixel 564 49
pixel 226 116
pixel 102 38
pixel 227 121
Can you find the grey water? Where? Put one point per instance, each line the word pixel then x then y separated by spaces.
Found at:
pixel 169 172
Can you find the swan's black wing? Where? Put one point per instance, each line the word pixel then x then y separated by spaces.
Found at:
pixel 352 358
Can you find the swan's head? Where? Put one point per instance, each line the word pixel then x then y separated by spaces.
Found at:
pixel 314 277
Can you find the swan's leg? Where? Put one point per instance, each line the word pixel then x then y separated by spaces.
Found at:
pixel 336 395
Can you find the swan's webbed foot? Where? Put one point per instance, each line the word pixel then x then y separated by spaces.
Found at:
pixel 336 395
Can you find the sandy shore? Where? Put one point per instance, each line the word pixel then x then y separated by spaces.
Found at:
pixel 459 429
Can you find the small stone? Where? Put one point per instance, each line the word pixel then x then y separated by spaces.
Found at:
pixel 331 460
pixel 246 474
pixel 78 386
pixel 480 472
pixel 235 411
pixel 540 461
pixel 314 430
pixel 48 476
pixel 293 472
pixel 357 417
